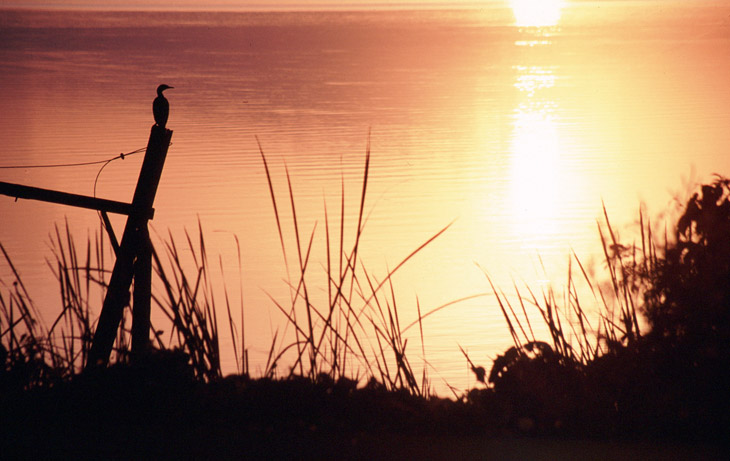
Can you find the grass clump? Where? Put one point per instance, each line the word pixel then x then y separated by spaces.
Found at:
pixel 35 355
pixel 355 334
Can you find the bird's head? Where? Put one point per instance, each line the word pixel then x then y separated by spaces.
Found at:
pixel 162 88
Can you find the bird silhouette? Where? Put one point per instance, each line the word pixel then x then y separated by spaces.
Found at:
pixel 160 106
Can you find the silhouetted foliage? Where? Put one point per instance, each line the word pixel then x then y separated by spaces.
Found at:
pixel 688 309
pixel 690 297
pixel 672 379
pixel 540 385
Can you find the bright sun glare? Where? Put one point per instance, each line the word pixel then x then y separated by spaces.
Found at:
pixel 536 13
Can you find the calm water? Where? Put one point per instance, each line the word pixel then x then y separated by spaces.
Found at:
pixel 514 134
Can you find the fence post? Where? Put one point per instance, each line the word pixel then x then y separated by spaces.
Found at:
pixel 135 240
pixel 141 300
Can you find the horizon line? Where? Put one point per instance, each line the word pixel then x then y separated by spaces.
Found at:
pixel 257 7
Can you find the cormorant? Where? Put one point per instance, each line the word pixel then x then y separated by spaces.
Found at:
pixel 160 107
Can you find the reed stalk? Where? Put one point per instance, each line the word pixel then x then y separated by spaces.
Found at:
pixel 334 340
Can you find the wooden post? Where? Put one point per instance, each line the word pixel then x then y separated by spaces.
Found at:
pixel 134 239
pixel 141 300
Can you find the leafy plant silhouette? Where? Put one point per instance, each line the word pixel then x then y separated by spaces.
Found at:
pixel 672 378
pixel 689 302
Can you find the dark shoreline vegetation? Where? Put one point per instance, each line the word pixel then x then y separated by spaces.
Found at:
pixel 652 367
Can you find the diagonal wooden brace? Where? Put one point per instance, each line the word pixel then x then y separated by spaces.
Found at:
pixel 133 247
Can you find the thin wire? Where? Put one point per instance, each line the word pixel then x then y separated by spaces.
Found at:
pixel 101 218
pixel 64 165
pixel 96 179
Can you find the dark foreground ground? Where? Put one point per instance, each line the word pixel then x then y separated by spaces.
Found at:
pixel 118 414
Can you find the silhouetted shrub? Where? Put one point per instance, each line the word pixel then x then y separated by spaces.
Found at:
pixel 670 380
pixel 688 309
pixel 689 302
pixel 540 388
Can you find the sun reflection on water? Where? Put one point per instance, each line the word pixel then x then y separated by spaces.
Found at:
pixel 535 174
pixel 533 78
pixel 536 13
pixel 537 185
